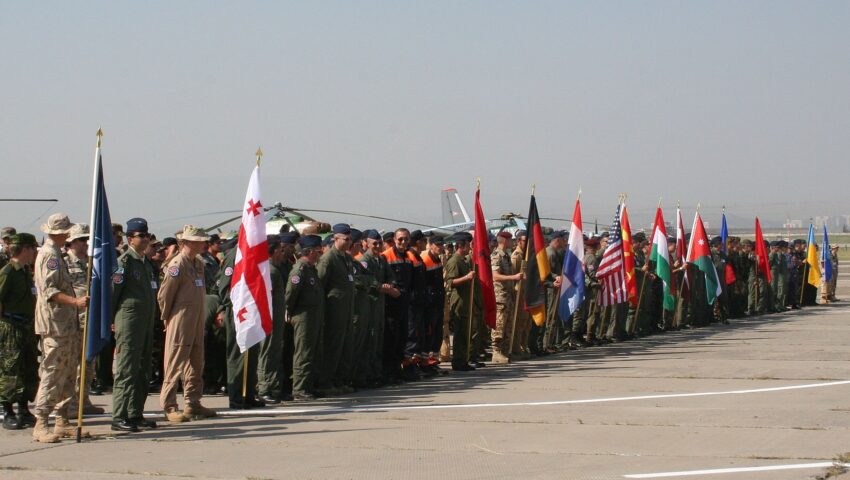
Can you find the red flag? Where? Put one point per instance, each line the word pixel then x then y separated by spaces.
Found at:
pixel 481 254
pixel 730 275
pixel 251 286
pixel 761 253
pixel 681 252
pixel 628 257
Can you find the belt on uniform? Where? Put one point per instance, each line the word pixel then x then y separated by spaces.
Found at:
pixel 14 318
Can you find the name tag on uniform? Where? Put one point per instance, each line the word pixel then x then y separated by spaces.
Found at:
pixel 350 278
pixel 199 282
pixel 153 284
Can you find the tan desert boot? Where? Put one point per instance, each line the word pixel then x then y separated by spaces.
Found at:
pixel 174 415
pixel 41 433
pixel 197 411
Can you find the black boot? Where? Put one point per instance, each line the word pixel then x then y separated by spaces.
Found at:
pixel 10 420
pixel 25 418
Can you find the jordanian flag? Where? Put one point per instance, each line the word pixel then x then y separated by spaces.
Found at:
pixel 700 255
pixel 661 256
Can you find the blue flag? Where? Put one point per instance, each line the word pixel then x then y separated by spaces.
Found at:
pixel 104 263
pixel 826 257
pixel 724 233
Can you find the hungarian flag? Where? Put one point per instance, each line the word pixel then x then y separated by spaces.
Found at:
pixel 481 254
pixel 681 252
pixel 661 256
pixel 251 285
pixel 699 254
pixel 536 267
pixel 761 253
pixel 628 257
pixel 812 259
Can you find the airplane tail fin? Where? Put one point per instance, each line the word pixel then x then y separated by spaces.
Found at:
pixel 453 210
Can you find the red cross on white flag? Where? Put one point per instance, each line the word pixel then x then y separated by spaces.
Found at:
pixel 251 285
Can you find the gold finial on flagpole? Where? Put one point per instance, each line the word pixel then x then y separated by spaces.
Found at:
pixel 533 187
pixel 99 136
pixel 259 155
pixel 659 201
pixel 478 183
pixel 579 194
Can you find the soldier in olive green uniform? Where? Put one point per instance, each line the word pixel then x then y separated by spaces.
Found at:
pixel 378 267
pixel 522 321
pixel 18 343
pixel 270 362
pixel 553 333
pixel 134 291
pixel 305 300
pixel 5 236
pixel 459 273
pixel 336 272
pixel 288 241
pixel 365 287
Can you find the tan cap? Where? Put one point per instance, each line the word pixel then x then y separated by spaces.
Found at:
pixel 194 234
pixel 79 230
pixel 57 224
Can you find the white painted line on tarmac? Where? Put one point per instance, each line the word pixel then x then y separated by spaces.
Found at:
pixel 716 471
pixel 380 408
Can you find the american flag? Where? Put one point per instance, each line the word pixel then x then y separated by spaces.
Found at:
pixel 611 273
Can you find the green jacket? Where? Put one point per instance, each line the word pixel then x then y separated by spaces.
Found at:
pixel 134 288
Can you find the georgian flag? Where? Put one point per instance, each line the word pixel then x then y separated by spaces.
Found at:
pixel 251 285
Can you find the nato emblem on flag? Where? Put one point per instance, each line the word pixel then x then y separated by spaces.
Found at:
pixel 104 263
pixel 572 282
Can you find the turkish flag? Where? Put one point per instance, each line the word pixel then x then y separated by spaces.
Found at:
pixel 481 256
pixel 251 285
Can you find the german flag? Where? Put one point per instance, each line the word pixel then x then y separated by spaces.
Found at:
pixel 536 267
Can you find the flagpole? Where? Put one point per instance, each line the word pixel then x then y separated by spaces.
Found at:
pixel 259 154
pixel 522 265
pixel 89 265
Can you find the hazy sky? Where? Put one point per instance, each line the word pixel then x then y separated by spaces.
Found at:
pixel 374 106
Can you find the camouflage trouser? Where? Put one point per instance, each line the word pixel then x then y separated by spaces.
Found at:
pixel 18 362
pixel 502 333
pixel 60 357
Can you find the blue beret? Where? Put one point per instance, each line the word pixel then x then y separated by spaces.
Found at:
pixel 372 235
pixel 328 241
pixel 356 235
pixel 288 238
pixel 273 240
pixel 137 225
pixel 342 228
pixel 310 241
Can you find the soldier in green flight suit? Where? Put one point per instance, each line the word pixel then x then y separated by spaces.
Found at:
pixel 270 361
pixel 305 301
pixel 336 272
pixel 287 241
pixel 365 286
pixel 18 342
pixel 459 273
pixel 235 359
pixel 134 291
pixel 378 267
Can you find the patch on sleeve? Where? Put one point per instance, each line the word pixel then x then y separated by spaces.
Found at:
pixel 53 263
pixel 228 271
pixel 312 281
pixel 173 270
pixel 295 279
pixel 365 265
pixel 117 278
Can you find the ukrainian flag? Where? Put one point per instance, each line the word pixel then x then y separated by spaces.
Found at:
pixel 812 259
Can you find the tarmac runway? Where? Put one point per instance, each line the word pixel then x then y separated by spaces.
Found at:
pixel 765 398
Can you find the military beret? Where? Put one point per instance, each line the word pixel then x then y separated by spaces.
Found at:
pixel 356 235
pixel 799 241
pixel 639 237
pixel 341 228
pixel 774 243
pixel 521 233
pixel 436 239
pixel 288 238
pixel 310 241
pixel 7 232
pixel 716 241
pixel 214 238
pixel 604 235
pixel 328 241
pixel 169 241
pixel 783 244
pixel 491 237
pixel 462 237
pixel 592 242
pixel 273 241
pixel 671 240
pixel 372 234
pixel 505 234
pixel 389 236
pixel 225 245
pixel 23 239
pixel 558 234
pixel 137 225
pixel 416 235
pixel 748 242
